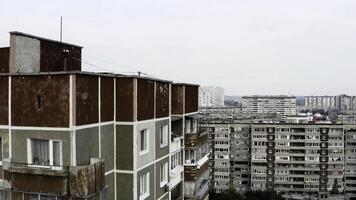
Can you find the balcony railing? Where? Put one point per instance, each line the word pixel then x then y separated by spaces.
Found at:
pixel 203 189
pixel 70 181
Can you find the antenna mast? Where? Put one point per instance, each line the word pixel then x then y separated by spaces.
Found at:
pixel 61 29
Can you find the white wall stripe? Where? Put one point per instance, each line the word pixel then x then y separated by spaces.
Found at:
pixel 9 120
pixel 99 114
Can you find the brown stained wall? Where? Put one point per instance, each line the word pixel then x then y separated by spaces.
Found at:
pixel 191 98
pixel 87 111
pixel 35 183
pixel 41 100
pixel 177 99
pixel 107 99
pixel 4 59
pixel 52 57
pixel 162 99
pixel 191 173
pixel 145 99
pixel 124 99
pixel 4 110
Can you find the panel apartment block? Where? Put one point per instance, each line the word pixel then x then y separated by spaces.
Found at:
pixel 298 160
pixel 88 135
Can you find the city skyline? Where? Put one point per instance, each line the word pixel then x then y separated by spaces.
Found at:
pixel 258 47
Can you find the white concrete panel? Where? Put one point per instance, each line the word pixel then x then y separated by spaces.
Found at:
pixel 25 54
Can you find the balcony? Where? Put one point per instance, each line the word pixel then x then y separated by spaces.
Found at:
pixel 176 144
pixel 202 191
pixel 194 140
pixel 76 182
pixel 176 176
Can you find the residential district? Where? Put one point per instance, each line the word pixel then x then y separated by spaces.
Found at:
pixel 67 134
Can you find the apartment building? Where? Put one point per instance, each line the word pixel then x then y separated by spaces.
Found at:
pixel 282 105
pixel 211 96
pixel 186 118
pixel 69 134
pixel 320 102
pixel 299 160
pixel 345 102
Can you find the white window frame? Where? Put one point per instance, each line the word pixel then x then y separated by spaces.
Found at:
pixel 2 150
pixel 144 180
pixel 51 160
pixel 164 136
pixel 147 142
pixel 163 171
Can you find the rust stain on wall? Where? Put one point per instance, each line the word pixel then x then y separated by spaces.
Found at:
pixel 107 99
pixel 145 99
pixel 191 98
pixel 87 110
pixel 162 99
pixel 40 100
pixel 54 55
pixel 4 59
pixel 177 99
pixel 4 107
pixel 124 99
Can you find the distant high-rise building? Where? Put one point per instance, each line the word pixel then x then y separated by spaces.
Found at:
pixel 345 102
pixel 298 160
pixel 211 96
pixel 282 105
pixel 320 102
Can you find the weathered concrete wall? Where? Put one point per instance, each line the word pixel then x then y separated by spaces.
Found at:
pixel 124 99
pixel 87 180
pixel 107 99
pixel 150 156
pixel 4 134
pixel 124 186
pixel 107 146
pixel 160 191
pixel 149 169
pixel 4 99
pixel 87 145
pixel 25 54
pixel 41 100
pixel 31 182
pixel 145 99
pixel 19 139
pixel 162 99
pixel 4 59
pixel 53 57
pixel 177 99
pixel 87 106
pixel 191 98
pixel 124 147
pixel 160 152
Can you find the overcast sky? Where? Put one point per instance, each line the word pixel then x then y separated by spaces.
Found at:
pixel 298 47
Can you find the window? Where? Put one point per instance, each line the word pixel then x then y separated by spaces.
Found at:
pixel 163 174
pixel 176 160
pixel 164 136
pixel 44 152
pixel 143 141
pixel 144 186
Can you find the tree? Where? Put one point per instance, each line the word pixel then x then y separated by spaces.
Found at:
pixel 263 195
pixel 230 194
pixel 335 189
